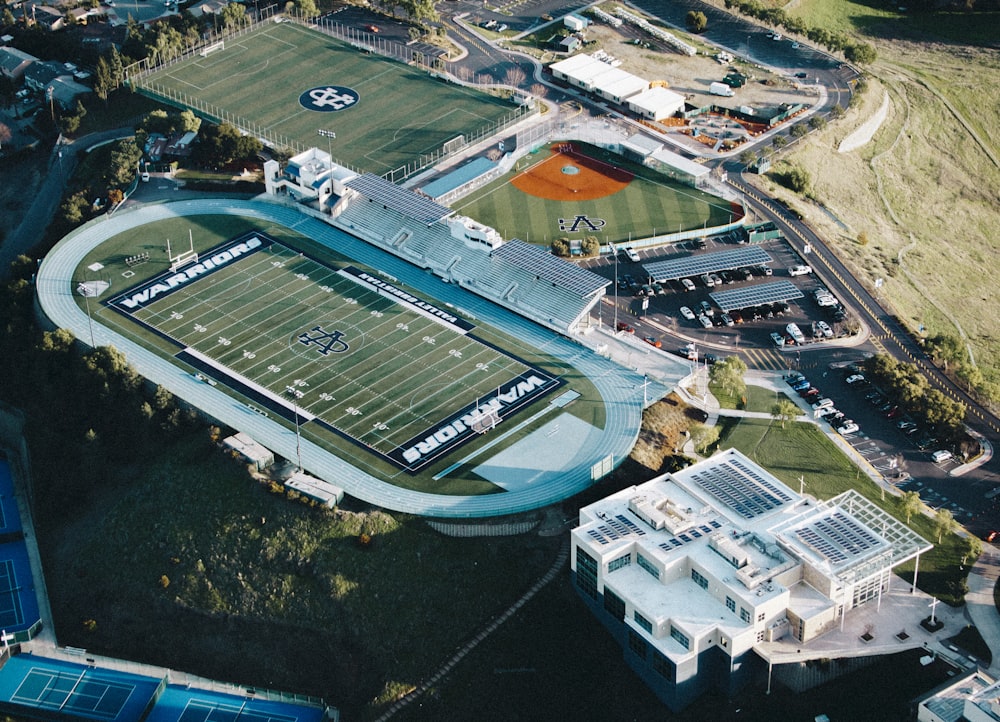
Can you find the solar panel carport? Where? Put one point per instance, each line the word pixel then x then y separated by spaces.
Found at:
pixel 755 295
pixel 674 268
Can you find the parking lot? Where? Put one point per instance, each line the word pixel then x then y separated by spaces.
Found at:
pixel 684 308
pixel 900 449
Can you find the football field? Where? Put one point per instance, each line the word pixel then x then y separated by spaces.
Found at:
pixel 396 374
pixel 261 81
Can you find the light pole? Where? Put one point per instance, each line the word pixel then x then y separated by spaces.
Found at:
pixel 295 394
pixel 330 136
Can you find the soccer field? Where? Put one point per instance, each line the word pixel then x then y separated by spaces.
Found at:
pixel 335 346
pixel 257 81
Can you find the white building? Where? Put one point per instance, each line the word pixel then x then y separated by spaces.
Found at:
pixel 656 103
pixel 973 697
pixel 309 176
pixel 702 574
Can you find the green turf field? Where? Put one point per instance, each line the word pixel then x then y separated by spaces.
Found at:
pixel 650 205
pixel 401 114
pixel 336 345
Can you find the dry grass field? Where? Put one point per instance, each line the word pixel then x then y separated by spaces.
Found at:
pixel 925 191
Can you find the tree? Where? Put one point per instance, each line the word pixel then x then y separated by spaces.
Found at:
pixel 779 141
pixel 704 436
pixel 944 523
pixel 729 375
pixel 945 349
pixel 818 121
pixel 971 547
pixel 860 53
pixel 514 76
pixel 696 21
pixel 748 158
pixel 116 67
pixel 125 157
pixel 911 504
pixel 539 90
pixel 233 15
pixel 798 179
pixel 188 121
pixel 798 130
pixel 560 247
pixel 590 246
pixel 784 410
pixel 5 135
pixel 74 208
pixel 103 84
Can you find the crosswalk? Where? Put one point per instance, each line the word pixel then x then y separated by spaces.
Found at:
pixel 765 359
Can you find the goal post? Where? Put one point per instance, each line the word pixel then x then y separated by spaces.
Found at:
pixel 205 51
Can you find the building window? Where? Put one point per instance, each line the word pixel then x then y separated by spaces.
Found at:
pixel 760 617
pixel 636 643
pixel 699 579
pixel 731 604
pixel 643 622
pixel 760 637
pixel 680 637
pixel 663 667
pixel 745 615
pixel 647 565
pixel 586 573
pixel 614 605
pixel 622 561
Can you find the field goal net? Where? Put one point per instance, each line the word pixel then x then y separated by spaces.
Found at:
pixel 205 51
pixel 483 421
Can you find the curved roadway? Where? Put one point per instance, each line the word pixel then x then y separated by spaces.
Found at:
pixel 620 389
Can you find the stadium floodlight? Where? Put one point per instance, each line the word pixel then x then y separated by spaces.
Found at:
pixel 330 136
pixel 296 395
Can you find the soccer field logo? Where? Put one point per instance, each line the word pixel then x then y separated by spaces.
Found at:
pixel 329 98
pixel 334 348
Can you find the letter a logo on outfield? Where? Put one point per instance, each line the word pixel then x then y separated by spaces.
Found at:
pixel 326 342
pixel 567 225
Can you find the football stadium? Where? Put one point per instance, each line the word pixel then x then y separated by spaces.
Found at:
pixel 401 389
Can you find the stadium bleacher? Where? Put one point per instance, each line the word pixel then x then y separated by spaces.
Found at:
pixel 516 275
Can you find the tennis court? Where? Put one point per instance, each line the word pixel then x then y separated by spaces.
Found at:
pixel 179 704
pixel 334 347
pixel 50 686
pixel 10 517
pixel 11 614
pixel 18 602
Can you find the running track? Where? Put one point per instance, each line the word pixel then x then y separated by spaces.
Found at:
pixel 621 389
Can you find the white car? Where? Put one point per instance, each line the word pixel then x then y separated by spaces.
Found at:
pixel 687 313
pixel 823 404
pixel 705 320
pixel 855 378
pixel 942 455
pixel 799 270
pixel 632 255
pixel 824 328
pixel 849 427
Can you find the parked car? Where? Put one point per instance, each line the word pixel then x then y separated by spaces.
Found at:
pixel 707 280
pixel 799 270
pixel 688 284
pixel 622 326
pixel 687 313
pixel 778 340
pixel 822 404
pixel 704 320
pixel 631 254
pixel 657 288
pixel 824 328
pixel 855 378
pixel 848 427
pixel 652 341
pixel 940 456
pixel 706 309
pixel 727 320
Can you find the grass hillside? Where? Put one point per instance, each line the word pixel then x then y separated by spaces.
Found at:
pixel 930 178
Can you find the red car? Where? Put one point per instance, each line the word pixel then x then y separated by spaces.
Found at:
pixel 622 326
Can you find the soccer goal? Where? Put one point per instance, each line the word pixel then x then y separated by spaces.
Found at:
pixel 205 51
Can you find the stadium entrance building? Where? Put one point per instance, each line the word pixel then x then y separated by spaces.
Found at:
pixel 714 574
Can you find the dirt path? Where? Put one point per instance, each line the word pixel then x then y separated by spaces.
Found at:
pixel 867 130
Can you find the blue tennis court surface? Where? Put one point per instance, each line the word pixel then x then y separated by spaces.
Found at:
pixel 74 690
pixel 179 704
pixel 18 603
pixel 10 518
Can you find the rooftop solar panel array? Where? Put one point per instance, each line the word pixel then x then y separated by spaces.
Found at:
pixel 546 266
pixel 678 541
pixel 390 195
pixel 755 295
pixel 615 528
pixel 741 488
pixel 838 537
pixel 673 268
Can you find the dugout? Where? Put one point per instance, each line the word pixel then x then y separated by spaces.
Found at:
pixel 316 489
pixel 678 168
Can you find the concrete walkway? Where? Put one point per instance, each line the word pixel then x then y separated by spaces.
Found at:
pixel 981 610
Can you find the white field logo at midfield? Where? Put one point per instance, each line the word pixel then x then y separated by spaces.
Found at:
pixel 460 426
pixel 168 284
